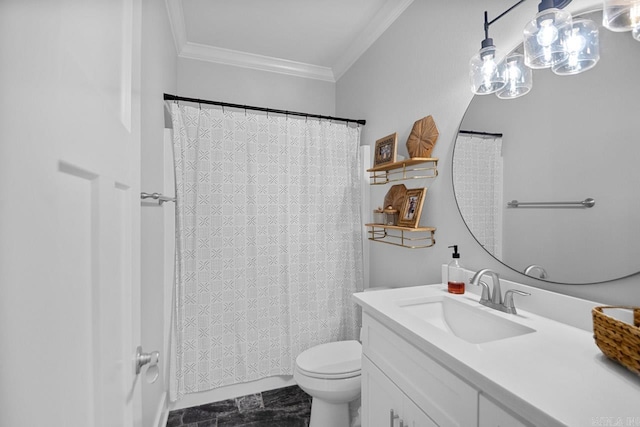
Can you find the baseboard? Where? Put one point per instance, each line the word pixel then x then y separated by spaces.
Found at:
pixel 162 413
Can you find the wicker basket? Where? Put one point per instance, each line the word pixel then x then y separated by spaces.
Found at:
pixel 618 340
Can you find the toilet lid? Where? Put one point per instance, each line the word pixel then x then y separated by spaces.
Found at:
pixel 341 359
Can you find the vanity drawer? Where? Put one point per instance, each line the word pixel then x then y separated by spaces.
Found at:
pixel 443 396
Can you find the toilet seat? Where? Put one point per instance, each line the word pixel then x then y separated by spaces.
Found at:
pixel 334 360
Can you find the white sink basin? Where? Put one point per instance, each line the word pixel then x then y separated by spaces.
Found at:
pixel 470 323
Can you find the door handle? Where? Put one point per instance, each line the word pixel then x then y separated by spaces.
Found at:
pixel 145 358
pixel 150 359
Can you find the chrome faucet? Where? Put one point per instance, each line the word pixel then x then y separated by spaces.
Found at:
pixel 494 299
pixel 487 295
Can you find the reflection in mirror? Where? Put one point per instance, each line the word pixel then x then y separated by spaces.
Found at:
pixel 571 138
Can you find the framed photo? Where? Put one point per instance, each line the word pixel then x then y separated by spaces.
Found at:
pixel 385 151
pixel 412 207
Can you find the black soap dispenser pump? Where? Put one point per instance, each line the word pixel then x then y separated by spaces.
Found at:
pixel 455 273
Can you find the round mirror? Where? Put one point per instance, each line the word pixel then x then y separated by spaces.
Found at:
pixel 572 138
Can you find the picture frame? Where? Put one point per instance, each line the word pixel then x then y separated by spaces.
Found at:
pixel 412 208
pixel 385 150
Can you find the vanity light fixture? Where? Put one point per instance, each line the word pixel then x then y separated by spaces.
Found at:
pixel 622 15
pixel 488 72
pixel 519 78
pixel 545 34
pixel 551 40
pixel 582 48
pixel 486 68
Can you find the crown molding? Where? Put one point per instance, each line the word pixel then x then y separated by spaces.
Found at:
pixel 391 10
pixel 176 20
pixel 257 62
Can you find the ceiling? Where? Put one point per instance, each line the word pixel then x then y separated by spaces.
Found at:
pixel 306 38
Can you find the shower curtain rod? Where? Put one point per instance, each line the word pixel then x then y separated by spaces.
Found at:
pixel 473 132
pixel 168 97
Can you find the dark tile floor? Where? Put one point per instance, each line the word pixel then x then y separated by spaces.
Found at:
pixel 284 407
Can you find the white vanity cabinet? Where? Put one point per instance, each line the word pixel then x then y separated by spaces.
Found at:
pixel 398 376
pixel 387 405
pixel 553 375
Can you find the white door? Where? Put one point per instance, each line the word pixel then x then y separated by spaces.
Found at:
pixel 69 212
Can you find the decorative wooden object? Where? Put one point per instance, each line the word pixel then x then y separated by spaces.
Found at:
pixel 395 197
pixel 423 138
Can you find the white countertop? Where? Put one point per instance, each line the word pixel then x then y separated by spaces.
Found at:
pixel 554 376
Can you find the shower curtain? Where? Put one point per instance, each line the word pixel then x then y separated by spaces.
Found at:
pixel 477 178
pixel 269 244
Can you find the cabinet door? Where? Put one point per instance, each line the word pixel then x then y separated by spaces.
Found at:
pixel 380 396
pixel 385 405
pixel 447 399
pixel 413 415
pixel 492 415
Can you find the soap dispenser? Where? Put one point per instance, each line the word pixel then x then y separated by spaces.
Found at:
pixel 455 273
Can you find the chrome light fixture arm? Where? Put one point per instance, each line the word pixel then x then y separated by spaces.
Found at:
pixel 544 4
pixel 487 70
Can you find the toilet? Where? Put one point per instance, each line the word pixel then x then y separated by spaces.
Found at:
pixel 330 374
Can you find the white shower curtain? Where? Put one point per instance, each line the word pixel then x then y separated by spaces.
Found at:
pixel 477 178
pixel 269 245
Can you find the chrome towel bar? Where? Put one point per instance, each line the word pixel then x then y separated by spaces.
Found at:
pixel 586 203
pixel 157 196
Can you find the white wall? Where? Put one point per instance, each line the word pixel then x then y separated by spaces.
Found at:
pixel 216 82
pixel 419 67
pixel 159 75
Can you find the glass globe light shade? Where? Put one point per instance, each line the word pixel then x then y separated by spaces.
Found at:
pixel 544 37
pixel 582 44
pixel 621 15
pixel 518 77
pixel 486 71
